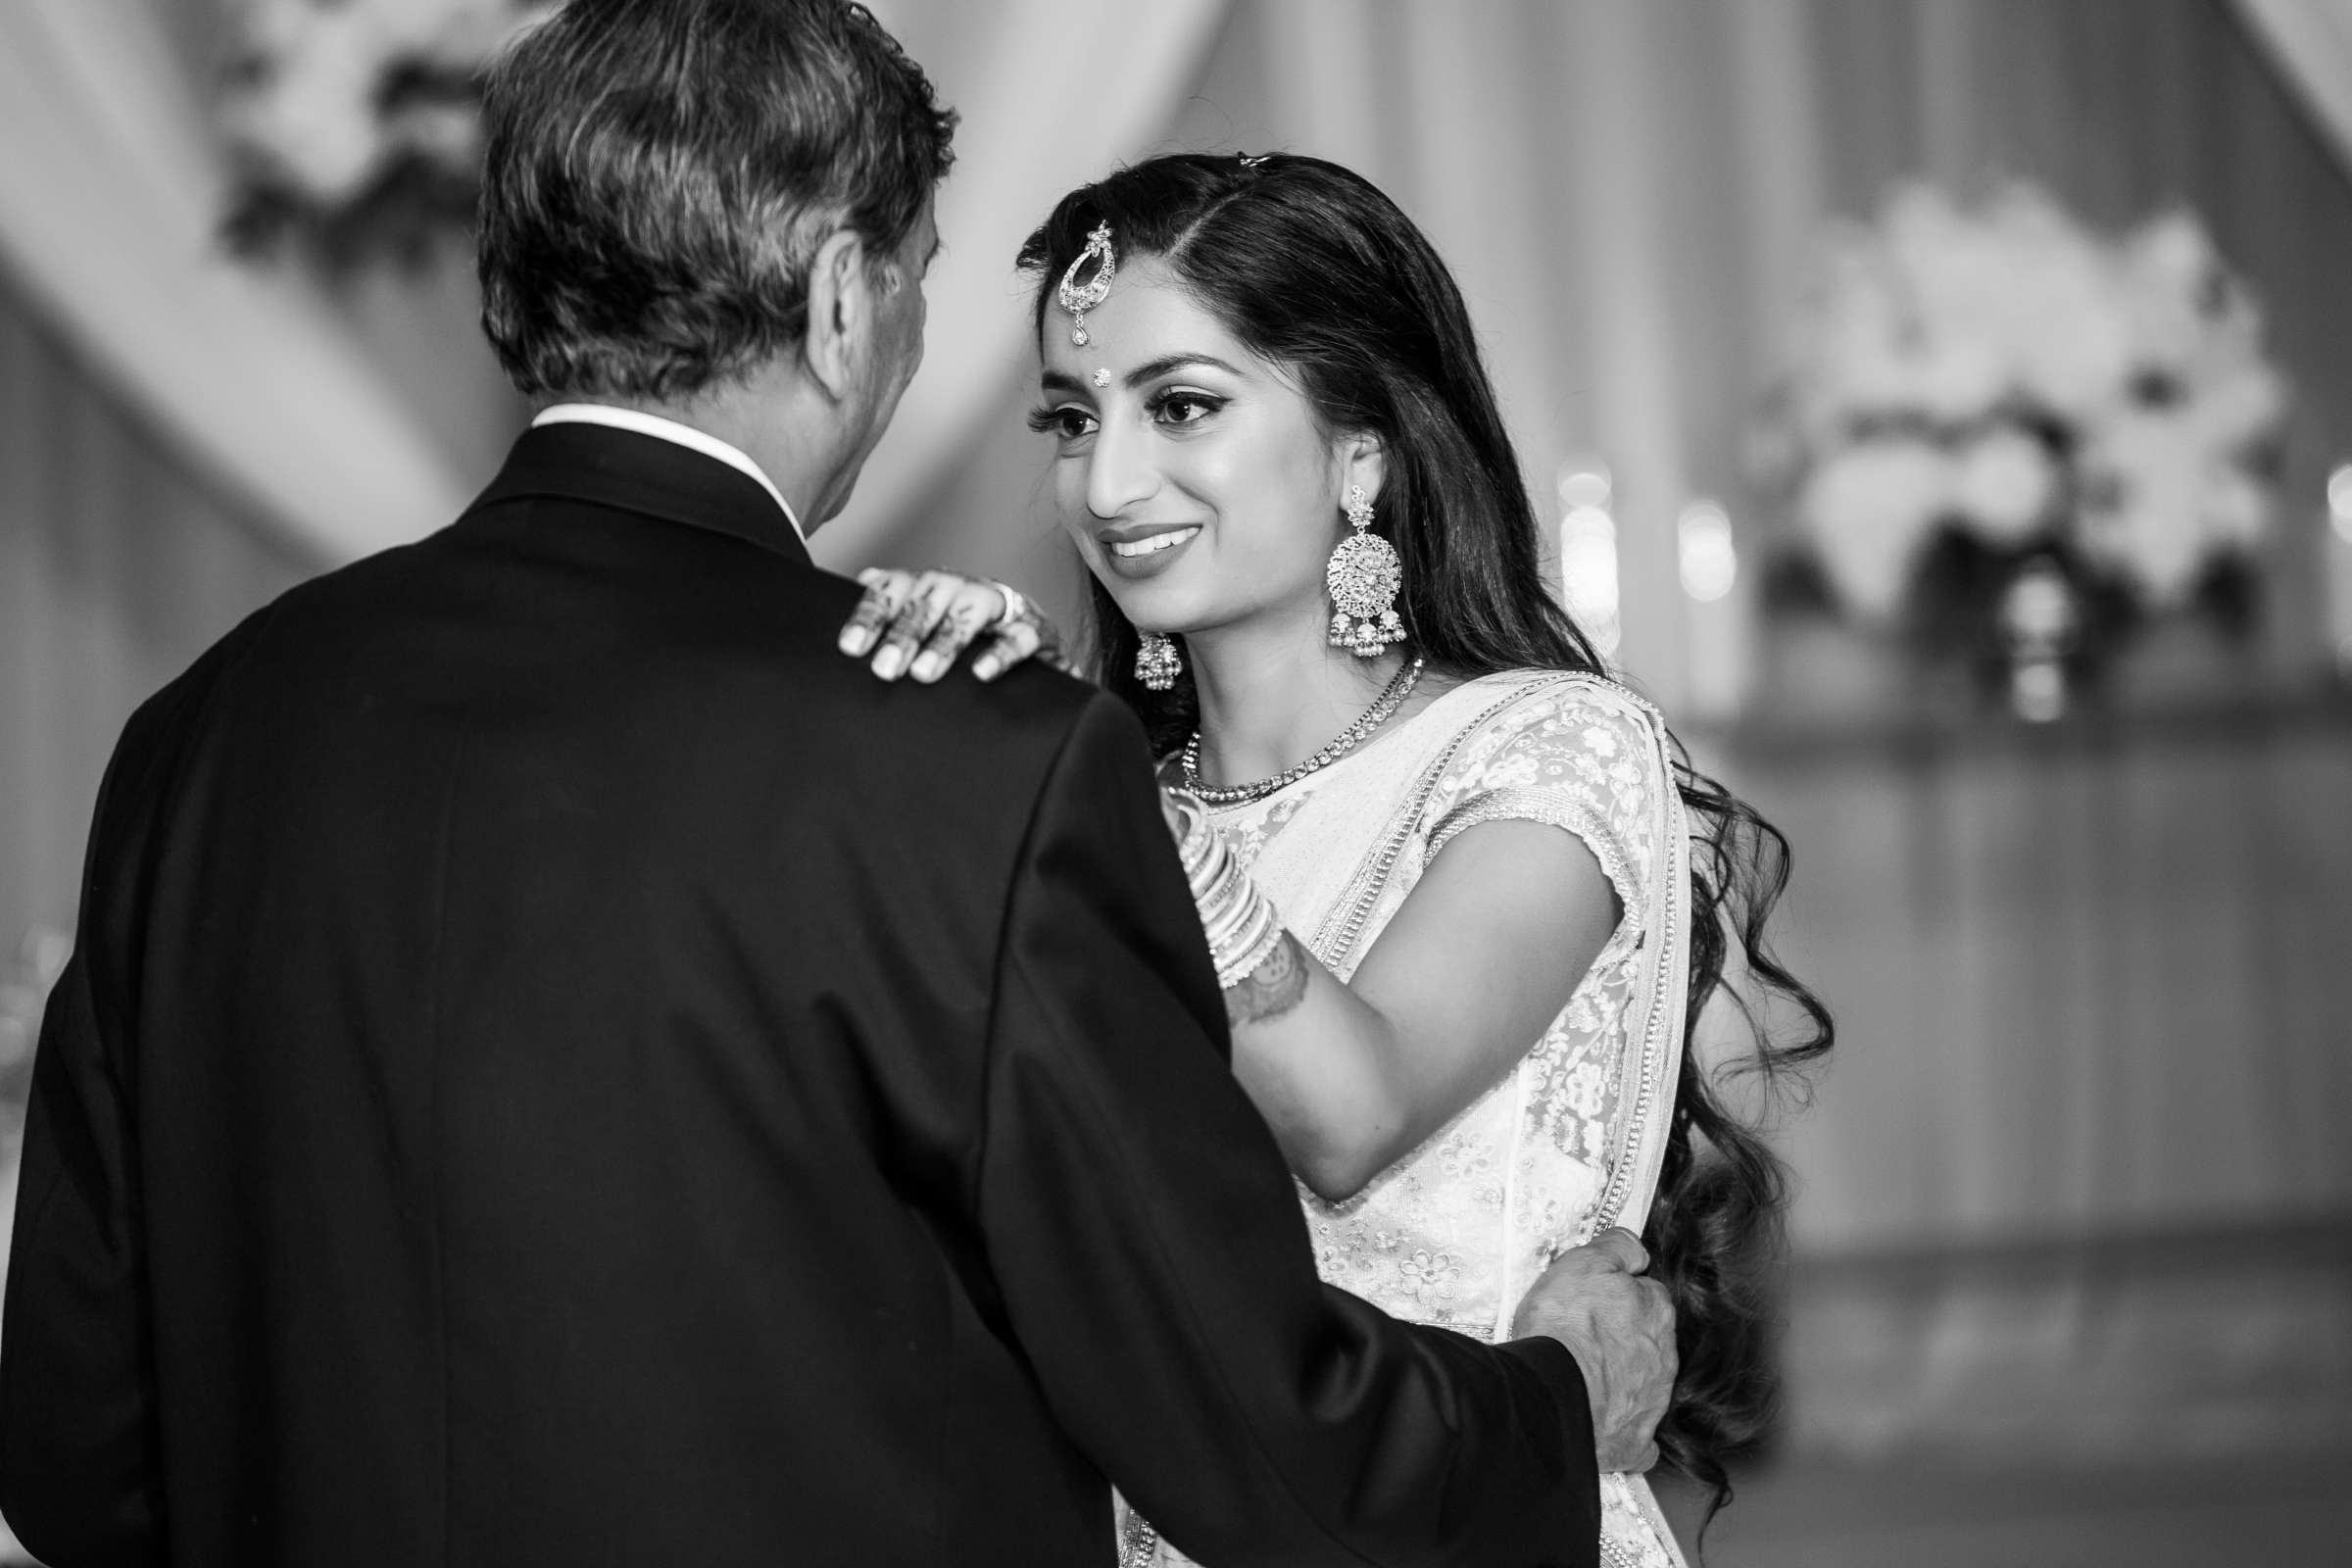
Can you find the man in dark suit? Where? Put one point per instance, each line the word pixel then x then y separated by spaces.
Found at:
pixel 559 1067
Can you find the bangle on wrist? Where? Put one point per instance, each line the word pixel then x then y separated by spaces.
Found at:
pixel 1240 923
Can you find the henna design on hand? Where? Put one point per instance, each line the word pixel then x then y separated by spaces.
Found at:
pixel 954 632
pixel 875 607
pixel 1273 988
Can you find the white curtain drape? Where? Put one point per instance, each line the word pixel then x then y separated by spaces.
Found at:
pixel 2311 41
pixel 110 192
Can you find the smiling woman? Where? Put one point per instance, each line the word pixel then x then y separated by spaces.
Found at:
pixel 1183 427
pixel 1462 913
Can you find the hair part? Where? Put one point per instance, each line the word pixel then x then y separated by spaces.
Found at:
pixel 1319 273
pixel 660 173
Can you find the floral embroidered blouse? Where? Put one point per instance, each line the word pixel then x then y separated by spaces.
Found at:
pixel 1569 1142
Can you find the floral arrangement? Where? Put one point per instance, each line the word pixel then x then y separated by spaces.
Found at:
pixel 1985 398
pixel 356 123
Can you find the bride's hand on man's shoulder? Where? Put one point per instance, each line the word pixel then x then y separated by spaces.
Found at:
pixel 918 624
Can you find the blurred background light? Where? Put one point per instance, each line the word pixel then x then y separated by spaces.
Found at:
pixel 1589 574
pixel 1705 550
pixel 1584 482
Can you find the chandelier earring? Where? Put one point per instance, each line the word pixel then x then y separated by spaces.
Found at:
pixel 1363 577
pixel 1157 662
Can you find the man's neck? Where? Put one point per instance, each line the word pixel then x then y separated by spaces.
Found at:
pixel 794 446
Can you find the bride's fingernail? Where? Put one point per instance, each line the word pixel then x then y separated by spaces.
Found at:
pixel 985 668
pixel 928 667
pixel 890 663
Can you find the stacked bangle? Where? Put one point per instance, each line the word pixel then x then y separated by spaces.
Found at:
pixel 1242 925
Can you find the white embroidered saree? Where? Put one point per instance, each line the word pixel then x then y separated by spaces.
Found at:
pixel 1569 1144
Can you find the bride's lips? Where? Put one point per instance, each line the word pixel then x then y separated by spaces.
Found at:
pixel 1145 550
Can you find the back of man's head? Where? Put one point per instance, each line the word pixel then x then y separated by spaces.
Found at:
pixel 661 172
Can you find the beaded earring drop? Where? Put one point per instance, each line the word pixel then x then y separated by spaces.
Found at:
pixel 1363 577
pixel 1157 662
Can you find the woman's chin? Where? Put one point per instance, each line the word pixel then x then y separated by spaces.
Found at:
pixel 1156 608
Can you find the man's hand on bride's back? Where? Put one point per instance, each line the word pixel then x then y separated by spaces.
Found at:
pixel 1620 1328
pixel 920 624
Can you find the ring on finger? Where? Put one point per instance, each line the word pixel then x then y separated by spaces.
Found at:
pixel 1017 604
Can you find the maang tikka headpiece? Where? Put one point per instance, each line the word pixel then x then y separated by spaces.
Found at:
pixel 1079 298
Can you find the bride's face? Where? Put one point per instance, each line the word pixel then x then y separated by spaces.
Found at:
pixel 1192 475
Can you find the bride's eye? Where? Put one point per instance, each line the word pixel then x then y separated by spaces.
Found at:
pixel 1185 408
pixel 1065 424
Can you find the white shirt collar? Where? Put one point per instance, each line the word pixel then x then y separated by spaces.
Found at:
pixel 685 435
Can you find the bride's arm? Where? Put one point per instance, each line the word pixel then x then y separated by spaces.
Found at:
pixel 1482 955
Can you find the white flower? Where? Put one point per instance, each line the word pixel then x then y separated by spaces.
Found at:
pixel 1957 379
pixel 1851 338
pixel 1516 770
pixel 2149 468
pixel 1585 1086
pixel 2238 410
pixel 2072 346
pixel 2145 352
pixel 312 116
pixel 2172 251
pixel 312 113
pixel 2167 272
pixel 1960 281
pixel 1870 510
pixel 2238 511
pixel 2003 486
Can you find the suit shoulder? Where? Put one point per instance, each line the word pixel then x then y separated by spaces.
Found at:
pixel 1031 703
pixel 1026 718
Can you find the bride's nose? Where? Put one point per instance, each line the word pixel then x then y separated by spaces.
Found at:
pixel 1120 473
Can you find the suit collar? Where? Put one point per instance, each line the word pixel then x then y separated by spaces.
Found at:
pixel 646 474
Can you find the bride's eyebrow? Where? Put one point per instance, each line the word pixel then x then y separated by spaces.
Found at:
pixel 1153 369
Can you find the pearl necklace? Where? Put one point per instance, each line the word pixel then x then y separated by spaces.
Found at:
pixel 1383 709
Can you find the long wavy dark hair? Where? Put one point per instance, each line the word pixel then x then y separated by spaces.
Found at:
pixel 1319 273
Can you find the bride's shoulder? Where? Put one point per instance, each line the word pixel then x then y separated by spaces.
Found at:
pixel 1544 728
pixel 1514 699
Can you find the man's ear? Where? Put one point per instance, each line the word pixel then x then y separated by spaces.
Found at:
pixel 841 314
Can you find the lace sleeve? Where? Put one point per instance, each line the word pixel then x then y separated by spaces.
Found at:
pixel 1577 755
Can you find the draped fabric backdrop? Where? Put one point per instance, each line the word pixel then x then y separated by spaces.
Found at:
pixel 2090 989
pixel 2311 41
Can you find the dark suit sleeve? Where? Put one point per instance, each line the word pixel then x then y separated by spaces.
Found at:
pixel 1156 1266
pixel 80 1478
pixel 78 1471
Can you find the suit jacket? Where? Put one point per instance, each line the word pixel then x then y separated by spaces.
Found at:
pixel 560 1066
